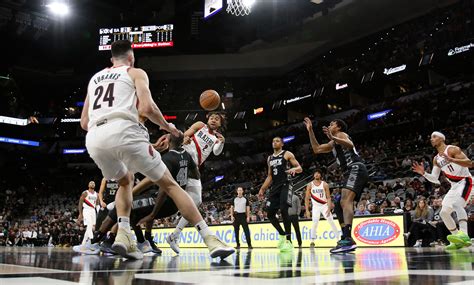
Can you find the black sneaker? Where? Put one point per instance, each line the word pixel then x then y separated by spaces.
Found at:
pixel 106 245
pixel 344 245
pixel 238 246
pixel 154 247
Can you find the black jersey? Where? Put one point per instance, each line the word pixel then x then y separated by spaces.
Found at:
pixel 345 157
pixel 111 187
pixel 180 165
pixel 278 167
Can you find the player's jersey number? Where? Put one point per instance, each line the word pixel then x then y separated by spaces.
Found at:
pixel 108 96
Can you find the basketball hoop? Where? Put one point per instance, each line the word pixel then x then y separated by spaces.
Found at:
pixel 239 7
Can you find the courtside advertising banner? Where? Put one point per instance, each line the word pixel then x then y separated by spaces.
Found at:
pixel 368 231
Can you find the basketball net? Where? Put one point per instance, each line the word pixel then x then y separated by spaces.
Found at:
pixel 238 7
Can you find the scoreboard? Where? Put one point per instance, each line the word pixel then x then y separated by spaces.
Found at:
pixel 141 37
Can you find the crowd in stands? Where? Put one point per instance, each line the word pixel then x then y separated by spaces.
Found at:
pixel 52 222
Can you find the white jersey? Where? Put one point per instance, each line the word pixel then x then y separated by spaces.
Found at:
pixel 453 171
pixel 112 95
pixel 90 200
pixel 202 144
pixel 318 195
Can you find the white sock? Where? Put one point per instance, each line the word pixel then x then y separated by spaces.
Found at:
pixel 313 230
pixel 203 229
pixel 461 215
pixel 463 226
pixel 179 228
pixel 124 223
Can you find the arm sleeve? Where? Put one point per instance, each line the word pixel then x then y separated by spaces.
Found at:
pixel 218 148
pixel 433 177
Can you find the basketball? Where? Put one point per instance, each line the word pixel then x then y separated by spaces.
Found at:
pixel 210 100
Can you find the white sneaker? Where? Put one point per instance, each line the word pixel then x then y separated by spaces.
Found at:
pixel 173 242
pixel 218 248
pixel 418 243
pixel 145 246
pixel 126 246
pixel 90 249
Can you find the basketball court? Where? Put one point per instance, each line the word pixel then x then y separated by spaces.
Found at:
pixel 259 266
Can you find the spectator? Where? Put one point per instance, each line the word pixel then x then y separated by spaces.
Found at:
pixel 408 207
pixel 421 232
pixel 372 208
pixel 361 211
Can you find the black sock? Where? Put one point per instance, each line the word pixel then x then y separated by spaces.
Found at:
pixel 148 236
pixel 288 237
pixel 139 235
pixel 111 238
pixel 346 231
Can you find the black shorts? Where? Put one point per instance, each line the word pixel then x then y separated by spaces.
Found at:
pixel 138 212
pixel 277 199
pixel 355 179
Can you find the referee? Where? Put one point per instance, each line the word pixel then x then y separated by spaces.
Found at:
pixel 240 214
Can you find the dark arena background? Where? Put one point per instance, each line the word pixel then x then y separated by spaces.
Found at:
pixel 386 87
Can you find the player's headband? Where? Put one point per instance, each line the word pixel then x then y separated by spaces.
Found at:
pixel 438 134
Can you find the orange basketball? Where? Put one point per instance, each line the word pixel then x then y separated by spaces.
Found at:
pixel 210 100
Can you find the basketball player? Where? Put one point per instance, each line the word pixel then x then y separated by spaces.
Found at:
pixel 107 191
pixel 200 140
pixel 318 192
pixel 145 208
pixel 115 141
pixel 279 198
pixel 355 176
pixel 455 166
pixel 87 213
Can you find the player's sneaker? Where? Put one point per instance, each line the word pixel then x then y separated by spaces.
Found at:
pixel 90 249
pixel 218 248
pixel 173 242
pixel 453 246
pixel 312 244
pixel 344 245
pixel 155 249
pixel 126 246
pixel 145 246
pixel 281 241
pixel 106 247
pixel 287 246
pixel 460 239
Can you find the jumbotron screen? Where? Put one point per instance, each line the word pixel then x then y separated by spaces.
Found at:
pixel 141 37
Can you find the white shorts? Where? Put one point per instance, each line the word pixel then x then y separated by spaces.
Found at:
pixel 459 194
pixel 120 146
pixel 89 217
pixel 319 209
pixel 194 189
